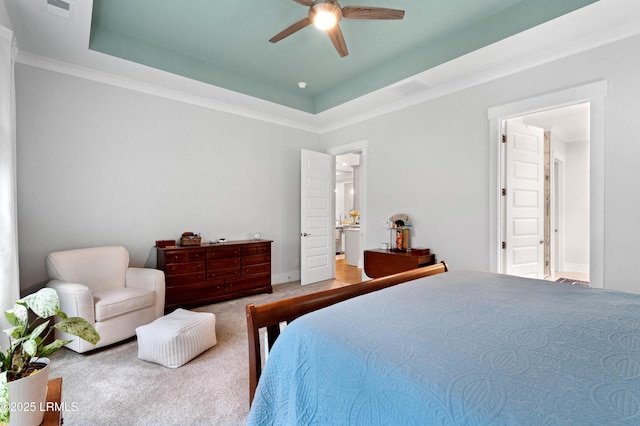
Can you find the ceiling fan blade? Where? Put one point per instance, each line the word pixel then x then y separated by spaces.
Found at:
pixel 364 12
pixel 335 34
pixel 290 30
pixel 305 2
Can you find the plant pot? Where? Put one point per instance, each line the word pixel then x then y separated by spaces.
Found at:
pixel 28 396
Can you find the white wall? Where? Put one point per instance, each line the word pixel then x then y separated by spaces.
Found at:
pixel 577 207
pixel 98 164
pixel 344 200
pixel 4 16
pixel 104 165
pixel 438 155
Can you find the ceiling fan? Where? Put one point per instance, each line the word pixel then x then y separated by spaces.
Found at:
pixel 326 14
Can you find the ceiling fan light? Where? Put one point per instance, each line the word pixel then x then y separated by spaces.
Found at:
pixel 325 14
pixel 325 20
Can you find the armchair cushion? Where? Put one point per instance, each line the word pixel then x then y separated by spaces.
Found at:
pixel 111 303
pixel 100 268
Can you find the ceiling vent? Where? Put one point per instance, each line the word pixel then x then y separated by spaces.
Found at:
pixel 410 87
pixel 59 8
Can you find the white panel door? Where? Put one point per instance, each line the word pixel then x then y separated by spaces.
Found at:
pixel 524 202
pixel 317 240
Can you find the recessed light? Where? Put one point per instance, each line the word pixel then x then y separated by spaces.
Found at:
pixel 302 84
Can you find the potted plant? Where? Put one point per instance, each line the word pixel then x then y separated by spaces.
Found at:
pixel 26 356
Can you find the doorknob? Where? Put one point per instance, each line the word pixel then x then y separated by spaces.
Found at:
pixel 541 241
pixel 305 235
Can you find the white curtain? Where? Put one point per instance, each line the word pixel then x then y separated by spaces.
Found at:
pixel 9 279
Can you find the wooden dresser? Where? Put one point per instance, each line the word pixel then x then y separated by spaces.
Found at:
pixel 381 262
pixel 197 275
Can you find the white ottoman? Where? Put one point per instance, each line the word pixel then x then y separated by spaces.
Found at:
pixel 176 338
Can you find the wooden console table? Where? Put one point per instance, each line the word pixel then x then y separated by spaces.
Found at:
pixel 380 262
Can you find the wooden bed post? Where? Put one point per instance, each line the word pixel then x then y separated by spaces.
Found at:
pixel 255 359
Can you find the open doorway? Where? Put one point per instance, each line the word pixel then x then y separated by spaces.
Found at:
pixel 359 148
pixel 347 217
pixel 563 213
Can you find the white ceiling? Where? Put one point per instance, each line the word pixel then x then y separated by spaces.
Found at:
pixel 61 45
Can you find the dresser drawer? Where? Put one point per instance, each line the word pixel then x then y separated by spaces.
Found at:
pixel 224 263
pixel 196 255
pixel 171 256
pixel 194 292
pixel 222 252
pixel 249 283
pixel 223 273
pixel 183 268
pixel 253 260
pixel 257 249
pixel 183 279
pixel 256 269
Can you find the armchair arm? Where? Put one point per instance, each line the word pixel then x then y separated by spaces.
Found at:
pixel 76 299
pixel 150 279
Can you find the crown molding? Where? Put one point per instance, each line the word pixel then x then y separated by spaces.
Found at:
pixel 86 73
pixel 604 22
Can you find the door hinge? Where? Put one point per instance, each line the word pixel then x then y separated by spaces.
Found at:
pixel 504 192
pixel 504 138
pixel 504 245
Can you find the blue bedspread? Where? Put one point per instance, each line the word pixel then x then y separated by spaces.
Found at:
pixel 459 348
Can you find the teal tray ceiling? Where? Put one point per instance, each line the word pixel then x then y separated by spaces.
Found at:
pixel 225 44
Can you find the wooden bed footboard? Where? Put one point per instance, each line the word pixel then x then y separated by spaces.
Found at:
pixel 270 315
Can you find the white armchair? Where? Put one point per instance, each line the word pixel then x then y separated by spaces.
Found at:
pixel 98 285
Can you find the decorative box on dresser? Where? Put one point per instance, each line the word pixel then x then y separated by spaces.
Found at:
pixel 197 275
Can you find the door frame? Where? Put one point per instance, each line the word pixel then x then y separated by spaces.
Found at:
pixel 557 213
pixel 595 94
pixel 360 146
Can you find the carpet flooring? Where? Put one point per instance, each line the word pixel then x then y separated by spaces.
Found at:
pixel 111 386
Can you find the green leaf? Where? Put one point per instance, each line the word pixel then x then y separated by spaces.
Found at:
pixel 39 329
pixel 79 327
pixel 14 332
pixel 30 347
pixel 44 302
pixel 4 398
pixel 47 350
pixel 18 316
pixel 11 317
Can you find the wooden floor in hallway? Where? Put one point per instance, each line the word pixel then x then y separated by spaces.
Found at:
pixel 346 273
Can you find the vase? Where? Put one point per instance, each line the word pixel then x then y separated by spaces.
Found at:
pixel 28 396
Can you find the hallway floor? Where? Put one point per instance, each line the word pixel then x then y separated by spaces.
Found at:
pixel 580 276
pixel 346 273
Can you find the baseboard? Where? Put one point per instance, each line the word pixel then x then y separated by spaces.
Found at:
pixel 575 267
pixel 285 277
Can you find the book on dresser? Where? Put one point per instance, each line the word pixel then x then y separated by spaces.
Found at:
pixel 197 275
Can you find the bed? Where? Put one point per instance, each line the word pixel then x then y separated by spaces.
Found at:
pixel 456 348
